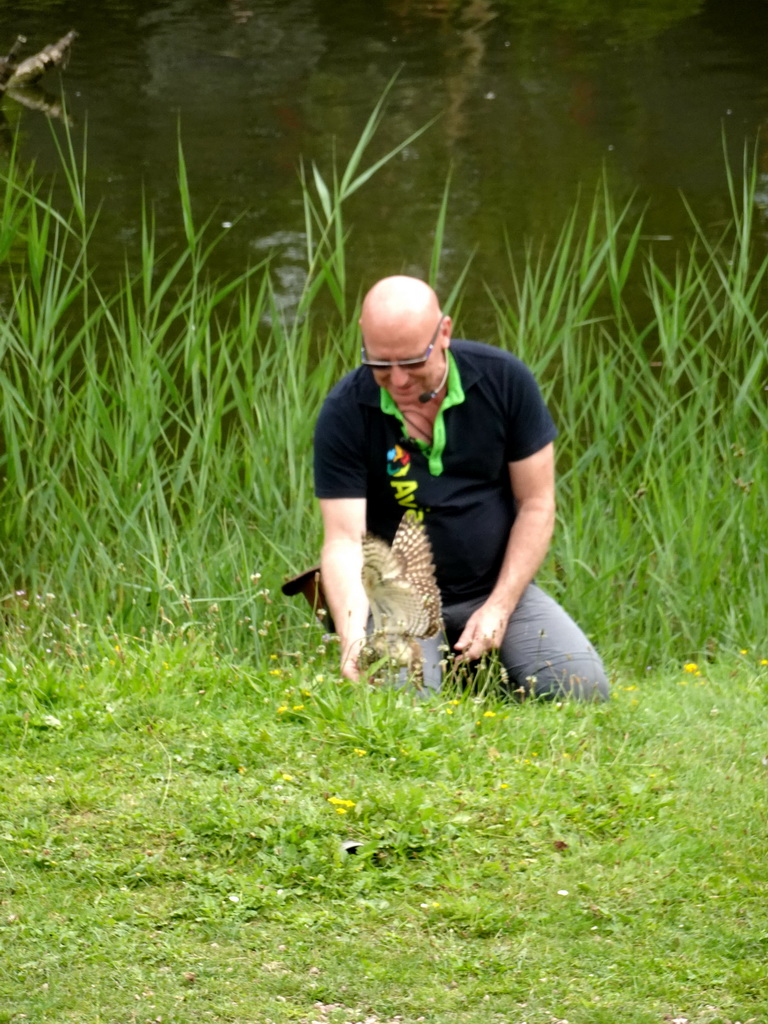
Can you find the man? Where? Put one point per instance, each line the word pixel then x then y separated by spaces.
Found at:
pixel 458 432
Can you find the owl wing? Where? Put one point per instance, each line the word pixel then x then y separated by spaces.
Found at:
pixel 400 581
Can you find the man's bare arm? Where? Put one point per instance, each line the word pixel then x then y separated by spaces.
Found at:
pixel 341 566
pixel 533 485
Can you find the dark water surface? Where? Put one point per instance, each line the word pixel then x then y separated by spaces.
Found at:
pixel 533 98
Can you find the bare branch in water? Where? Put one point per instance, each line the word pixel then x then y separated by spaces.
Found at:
pixel 34 67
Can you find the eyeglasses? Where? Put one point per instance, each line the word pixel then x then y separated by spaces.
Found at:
pixel 409 364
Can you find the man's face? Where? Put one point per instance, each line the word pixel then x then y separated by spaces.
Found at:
pixel 412 363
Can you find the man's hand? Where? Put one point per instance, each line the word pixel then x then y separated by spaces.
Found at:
pixel 483 632
pixel 349 664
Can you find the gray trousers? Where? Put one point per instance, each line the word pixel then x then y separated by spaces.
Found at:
pixel 544 653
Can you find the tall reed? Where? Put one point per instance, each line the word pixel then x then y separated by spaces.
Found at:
pixel 155 450
pixel 661 544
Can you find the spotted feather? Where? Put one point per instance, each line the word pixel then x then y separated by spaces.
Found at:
pixel 400 582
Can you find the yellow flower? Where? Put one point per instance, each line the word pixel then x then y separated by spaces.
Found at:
pixel 241 768
pixel 449 711
pixel 454 702
pixel 690 666
pixel 282 708
pixel 275 671
pixel 489 714
pixel 359 751
pixel 341 810
pixel 763 661
pixel 298 707
pixel 288 778
pixel 338 802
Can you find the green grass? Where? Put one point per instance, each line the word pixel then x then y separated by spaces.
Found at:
pixel 172 833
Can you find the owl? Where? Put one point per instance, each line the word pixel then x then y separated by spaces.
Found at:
pixel 403 595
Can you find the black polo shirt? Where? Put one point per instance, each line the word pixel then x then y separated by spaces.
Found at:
pixel 493 414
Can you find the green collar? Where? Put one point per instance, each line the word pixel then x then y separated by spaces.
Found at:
pixel 454 396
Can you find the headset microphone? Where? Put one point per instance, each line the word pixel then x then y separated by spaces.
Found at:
pixel 427 396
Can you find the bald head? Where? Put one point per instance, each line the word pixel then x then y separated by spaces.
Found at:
pixel 398 307
pixel 405 332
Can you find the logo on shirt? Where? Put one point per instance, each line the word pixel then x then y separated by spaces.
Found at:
pixel 398 466
pixel 398 461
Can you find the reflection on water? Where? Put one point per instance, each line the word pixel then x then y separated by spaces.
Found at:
pixel 533 99
pixel 288 265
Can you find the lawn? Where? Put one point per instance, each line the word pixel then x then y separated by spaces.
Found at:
pixel 184 839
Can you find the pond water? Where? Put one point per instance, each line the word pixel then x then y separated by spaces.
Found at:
pixel 532 99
